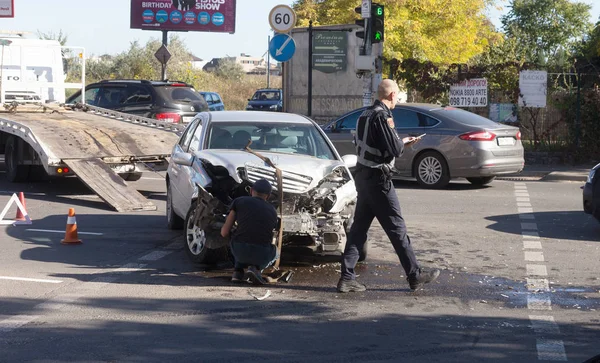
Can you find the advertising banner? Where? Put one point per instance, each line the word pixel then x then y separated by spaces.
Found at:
pixel 533 87
pixel 7 8
pixel 469 93
pixel 184 15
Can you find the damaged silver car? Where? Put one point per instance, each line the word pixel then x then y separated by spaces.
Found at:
pixel 211 166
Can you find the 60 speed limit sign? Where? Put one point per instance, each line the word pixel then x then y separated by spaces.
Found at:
pixel 282 18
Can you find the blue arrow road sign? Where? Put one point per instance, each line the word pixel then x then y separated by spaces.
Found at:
pixel 282 47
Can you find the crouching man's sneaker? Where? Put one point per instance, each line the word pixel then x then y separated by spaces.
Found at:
pixel 424 277
pixel 350 286
pixel 238 276
pixel 255 276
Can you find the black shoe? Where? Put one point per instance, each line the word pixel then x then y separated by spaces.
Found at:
pixel 238 276
pixel 255 276
pixel 424 277
pixel 350 286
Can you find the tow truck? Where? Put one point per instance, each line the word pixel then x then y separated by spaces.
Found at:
pixel 40 136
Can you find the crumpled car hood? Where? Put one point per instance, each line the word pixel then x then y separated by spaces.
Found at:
pixel 314 168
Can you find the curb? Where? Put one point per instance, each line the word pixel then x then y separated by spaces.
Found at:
pixel 552 176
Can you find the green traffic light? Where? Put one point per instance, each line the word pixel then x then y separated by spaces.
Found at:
pixel 378 36
pixel 379 11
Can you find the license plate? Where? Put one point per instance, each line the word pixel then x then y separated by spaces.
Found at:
pixel 187 119
pixel 506 141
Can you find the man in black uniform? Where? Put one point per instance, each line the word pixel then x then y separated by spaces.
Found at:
pixel 377 145
pixel 252 242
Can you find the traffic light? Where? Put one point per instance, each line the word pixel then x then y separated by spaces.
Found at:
pixel 377 16
pixel 361 23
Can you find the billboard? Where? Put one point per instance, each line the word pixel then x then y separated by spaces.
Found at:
pixel 533 88
pixel 469 93
pixel 7 8
pixel 184 15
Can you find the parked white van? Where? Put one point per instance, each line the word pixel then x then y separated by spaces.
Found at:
pixel 32 70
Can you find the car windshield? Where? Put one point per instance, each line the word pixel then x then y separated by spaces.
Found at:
pixel 266 96
pixel 287 138
pixel 465 117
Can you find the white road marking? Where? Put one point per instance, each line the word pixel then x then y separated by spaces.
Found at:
pixel 174 245
pixel 530 234
pixel 30 280
pixel 525 210
pixel 544 324
pixel 526 216
pixel 536 270
pixel 155 255
pixel 524 205
pixel 521 186
pixel 523 199
pixel 535 256
pixel 536 302
pixel 537 284
pixel 148 178
pixel 532 226
pixel 53 231
pixel 15 322
pixel 532 244
pixel 551 350
pixel 58 302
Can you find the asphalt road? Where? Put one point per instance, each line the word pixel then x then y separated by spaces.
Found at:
pixel 518 285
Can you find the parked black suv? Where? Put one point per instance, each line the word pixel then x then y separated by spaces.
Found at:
pixel 266 99
pixel 171 101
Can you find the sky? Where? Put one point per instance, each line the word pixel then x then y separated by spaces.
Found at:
pixel 102 26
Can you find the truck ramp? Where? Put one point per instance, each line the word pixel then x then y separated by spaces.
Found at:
pixel 109 186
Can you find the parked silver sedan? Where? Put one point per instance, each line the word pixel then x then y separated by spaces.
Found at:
pixel 210 167
pixel 457 144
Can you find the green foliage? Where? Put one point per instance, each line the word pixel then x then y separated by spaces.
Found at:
pixel 438 31
pixel 229 69
pixel 543 29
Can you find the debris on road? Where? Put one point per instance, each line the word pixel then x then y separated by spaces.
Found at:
pixel 260 298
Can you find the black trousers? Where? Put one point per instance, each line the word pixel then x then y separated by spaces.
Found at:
pixel 377 199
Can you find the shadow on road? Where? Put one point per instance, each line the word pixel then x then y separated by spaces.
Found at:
pixel 234 329
pixel 455 185
pixel 566 225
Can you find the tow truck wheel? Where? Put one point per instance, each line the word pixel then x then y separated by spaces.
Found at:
pixel 14 172
pixel 195 242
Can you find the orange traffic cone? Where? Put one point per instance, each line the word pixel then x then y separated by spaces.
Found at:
pixel 71 231
pixel 20 216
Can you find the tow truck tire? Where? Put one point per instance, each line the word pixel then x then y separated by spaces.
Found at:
pixel 15 173
pixel 131 176
pixel 195 243
pixel 37 173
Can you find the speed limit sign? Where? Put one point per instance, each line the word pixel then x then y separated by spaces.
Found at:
pixel 282 18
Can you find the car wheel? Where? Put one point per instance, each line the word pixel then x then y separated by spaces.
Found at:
pixel 195 242
pixel 481 180
pixel 173 220
pixel 14 172
pixel 431 170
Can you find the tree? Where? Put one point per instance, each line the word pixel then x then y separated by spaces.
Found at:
pixel 438 31
pixel 545 28
pixel 229 69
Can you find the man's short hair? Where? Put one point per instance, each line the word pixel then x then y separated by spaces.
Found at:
pixel 262 186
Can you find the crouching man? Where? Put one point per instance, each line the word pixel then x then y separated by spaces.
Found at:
pixel 252 240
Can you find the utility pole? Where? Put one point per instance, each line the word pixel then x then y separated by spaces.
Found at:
pixel 310 75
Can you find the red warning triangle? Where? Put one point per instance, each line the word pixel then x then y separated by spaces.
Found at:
pixel 14 199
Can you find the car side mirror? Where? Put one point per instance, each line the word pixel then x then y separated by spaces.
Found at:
pixel 350 160
pixel 185 159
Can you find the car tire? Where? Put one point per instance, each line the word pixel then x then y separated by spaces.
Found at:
pixel 15 173
pixel 173 220
pixel 484 180
pixel 431 170
pixel 195 243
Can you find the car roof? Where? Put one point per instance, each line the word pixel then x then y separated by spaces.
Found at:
pixel 258 116
pixel 143 81
pixel 268 89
